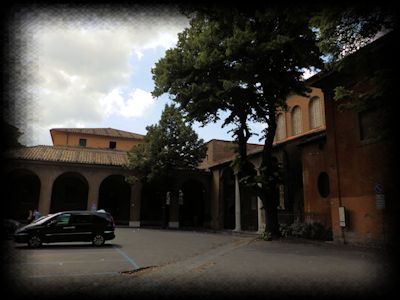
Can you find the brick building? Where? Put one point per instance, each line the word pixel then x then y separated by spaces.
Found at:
pixel 86 169
pixel 338 163
pixel 337 168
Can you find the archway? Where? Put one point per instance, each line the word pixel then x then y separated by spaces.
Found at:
pixel 248 204
pixel 153 208
pixel 228 197
pixel 114 197
pixel 22 194
pixel 191 204
pixel 70 192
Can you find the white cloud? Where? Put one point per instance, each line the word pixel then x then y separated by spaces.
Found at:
pixel 309 73
pixel 137 103
pixel 79 67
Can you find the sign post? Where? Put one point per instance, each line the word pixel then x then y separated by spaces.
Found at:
pixel 379 196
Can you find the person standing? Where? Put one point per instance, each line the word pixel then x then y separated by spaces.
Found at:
pixel 30 216
pixel 36 214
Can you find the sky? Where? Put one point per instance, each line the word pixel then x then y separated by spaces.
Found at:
pixel 86 69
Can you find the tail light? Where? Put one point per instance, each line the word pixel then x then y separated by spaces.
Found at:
pixel 113 223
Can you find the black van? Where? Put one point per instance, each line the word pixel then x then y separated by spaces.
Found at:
pixel 68 226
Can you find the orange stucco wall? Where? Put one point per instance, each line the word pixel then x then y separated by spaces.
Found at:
pixel 316 207
pixel 304 104
pixel 92 141
pixel 355 167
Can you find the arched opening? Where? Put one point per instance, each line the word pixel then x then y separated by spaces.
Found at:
pixel 70 192
pixel 191 204
pixel 114 197
pixel 248 204
pixel 22 194
pixel 153 208
pixel 228 197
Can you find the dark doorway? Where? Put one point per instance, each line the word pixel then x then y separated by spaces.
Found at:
pixel 248 209
pixel 114 197
pixel 248 203
pixel 191 204
pixel 228 195
pixel 22 194
pixel 70 192
pixel 153 208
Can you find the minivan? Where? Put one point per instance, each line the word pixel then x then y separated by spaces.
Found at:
pixel 68 226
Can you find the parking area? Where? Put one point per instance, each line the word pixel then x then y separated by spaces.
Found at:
pixel 132 249
pixel 72 260
pixel 149 262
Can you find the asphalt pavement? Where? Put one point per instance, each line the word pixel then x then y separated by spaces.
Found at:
pixel 171 263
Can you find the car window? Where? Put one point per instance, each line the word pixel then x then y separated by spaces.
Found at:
pixel 63 219
pixel 81 219
pixel 43 219
pixel 99 220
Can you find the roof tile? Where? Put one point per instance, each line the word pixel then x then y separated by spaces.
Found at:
pixel 70 155
pixel 110 132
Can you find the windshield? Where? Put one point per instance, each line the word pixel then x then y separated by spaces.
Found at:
pixel 43 219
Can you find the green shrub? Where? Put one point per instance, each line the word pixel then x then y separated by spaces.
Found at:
pixel 266 235
pixel 285 230
pixel 299 229
pixel 315 231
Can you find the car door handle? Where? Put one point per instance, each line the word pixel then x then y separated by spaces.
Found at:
pixel 69 227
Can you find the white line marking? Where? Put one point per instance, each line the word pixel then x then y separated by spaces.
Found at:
pixel 130 260
pixel 71 275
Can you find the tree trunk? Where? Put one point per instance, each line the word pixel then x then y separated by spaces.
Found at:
pixel 271 215
pixel 268 169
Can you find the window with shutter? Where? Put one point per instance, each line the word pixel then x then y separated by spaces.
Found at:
pixel 281 127
pixel 315 112
pixel 296 120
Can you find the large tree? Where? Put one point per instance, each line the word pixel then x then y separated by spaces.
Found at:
pixel 367 81
pixel 244 62
pixel 169 145
pixel 10 136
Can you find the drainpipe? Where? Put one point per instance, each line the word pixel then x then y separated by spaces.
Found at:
pixel 337 163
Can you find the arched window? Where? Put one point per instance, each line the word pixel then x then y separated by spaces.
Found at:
pixel 281 127
pixel 315 112
pixel 296 120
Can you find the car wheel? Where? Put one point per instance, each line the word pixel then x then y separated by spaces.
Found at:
pixel 34 241
pixel 98 240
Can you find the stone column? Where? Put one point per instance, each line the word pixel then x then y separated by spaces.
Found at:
pixel 238 224
pixel 136 201
pixel 93 194
pixel 45 194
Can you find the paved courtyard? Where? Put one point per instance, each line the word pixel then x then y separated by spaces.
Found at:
pixel 150 262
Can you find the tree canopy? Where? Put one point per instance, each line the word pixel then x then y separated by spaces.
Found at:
pixel 10 135
pixel 170 144
pixel 245 61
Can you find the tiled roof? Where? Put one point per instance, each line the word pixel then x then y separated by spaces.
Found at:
pixel 70 155
pixel 111 132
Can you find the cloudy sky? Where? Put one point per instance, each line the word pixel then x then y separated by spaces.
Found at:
pixel 91 68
